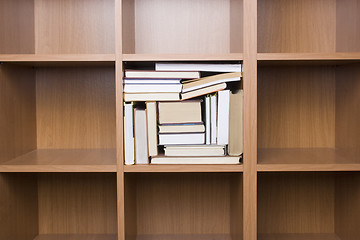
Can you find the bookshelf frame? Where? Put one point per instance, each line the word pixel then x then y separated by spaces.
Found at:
pixel 98 36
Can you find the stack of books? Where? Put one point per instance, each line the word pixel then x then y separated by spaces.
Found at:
pixel 172 116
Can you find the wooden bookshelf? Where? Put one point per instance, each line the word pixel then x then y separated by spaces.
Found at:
pixel 62 174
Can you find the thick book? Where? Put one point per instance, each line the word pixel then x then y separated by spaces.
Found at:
pixel 129 134
pixel 195 84
pixel 161 74
pixel 151 88
pixel 223 117
pixel 207 120
pixel 144 97
pixel 151 117
pixel 151 81
pixel 194 150
pixel 203 91
pixel 236 127
pixel 182 128
pixel 202 67
pixel 213 119
pixel 141 150
pixel 180 112
pixel 181 138
pixel 195 160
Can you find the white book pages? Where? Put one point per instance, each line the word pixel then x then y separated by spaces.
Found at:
pixel 223 117
pixel 129 134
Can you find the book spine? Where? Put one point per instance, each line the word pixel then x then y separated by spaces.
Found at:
pixel 129 134
pixel 223 117
pixel 213 118
pixel 207 120
pixel 152 128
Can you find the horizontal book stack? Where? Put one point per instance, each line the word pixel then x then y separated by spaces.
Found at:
pixel 172 115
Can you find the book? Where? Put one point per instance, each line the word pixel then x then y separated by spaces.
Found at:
pixel 151 88
pixel 151 117
pixel 151 81
pixel 213 119
pixel 236 142
pixel 141 150
pixel 180 112
pixel 129 134
pixel 194 150
pixel 203 91
pixel 223 117
pixel 207 120
pixel 202 67
pixel 182 128
pixel 181 138
pixel 195 84
pixel 144 97
pixel 162 74
pixel 195 160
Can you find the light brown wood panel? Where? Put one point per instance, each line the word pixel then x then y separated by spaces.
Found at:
pixel 17 111
pixel 340 58
pixel 348 109
pixel 348 26
pixel 185 237
pixel 18 206
pixel 17 26
pixel 130 206
pixel 296 107
pixel 183 203
pixel 75 107
pixel 189 26
pixel 295 203
pixel 347 208
pixel 183 57
pixel 76 237
pixel 80 26
pixel 77 203
pixel 184 168
pixel 296 25
pixel 128 26
pixel 236 207
pixel 236 26
pixel 299 236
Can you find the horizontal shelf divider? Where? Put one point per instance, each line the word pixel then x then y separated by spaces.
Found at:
pixel 183 57
pixel 76 237
pixel 299 236
pixel 184 168
pixel 339 56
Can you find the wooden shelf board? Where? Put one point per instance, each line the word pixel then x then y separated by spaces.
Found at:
pixel 184 237
pixel 59 59
pixel 183 57
pixel 299 236
pixel 341 56
pixel 307 159
pixel 76 237
pixel 184 168
pixel 63 160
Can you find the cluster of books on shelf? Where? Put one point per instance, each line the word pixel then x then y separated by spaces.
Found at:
pixel 173 115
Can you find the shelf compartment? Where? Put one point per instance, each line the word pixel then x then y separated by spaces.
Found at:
pixel 310 205
pixel 303 26
pixel 59 160
pixel 52 206
pixel 183 205
pixel 314 111
pixel 309 58
pixel 306 159
pixel 182 27
pixel 183 57
pixel 184 168
pixel 77 237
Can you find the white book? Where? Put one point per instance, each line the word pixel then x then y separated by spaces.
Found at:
pixel 141 150
pixel 151 81
pixel 207 120
pixel 160 74
pixel 181 138
pixel 223 117
pixel 182 128
pixel 196 160
pixel 144 97
pixel 152 88
pixel 151 112
pixel 194 150
pixel 213 118
pixel 129 134
pixel 202 67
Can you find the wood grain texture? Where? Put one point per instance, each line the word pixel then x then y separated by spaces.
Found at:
pixel 184 168
pixel 341 57
pixel 296 203
pixel 61 160
pixel 296 107
pixel 76 237
pixel 183 57
pixel 77 204
pixel 81 26
pixel 347 209
pixel 190 26
pixel 17 111
pixel 297 26
pixel 236 207
pixel 348 109
pixel 128 26
pixel 17 27
pixel 75 108
pixel 348 26
pixel 18 206
pixel 185 237
pixel 131 212
pixel 48 59
pixel 299 236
